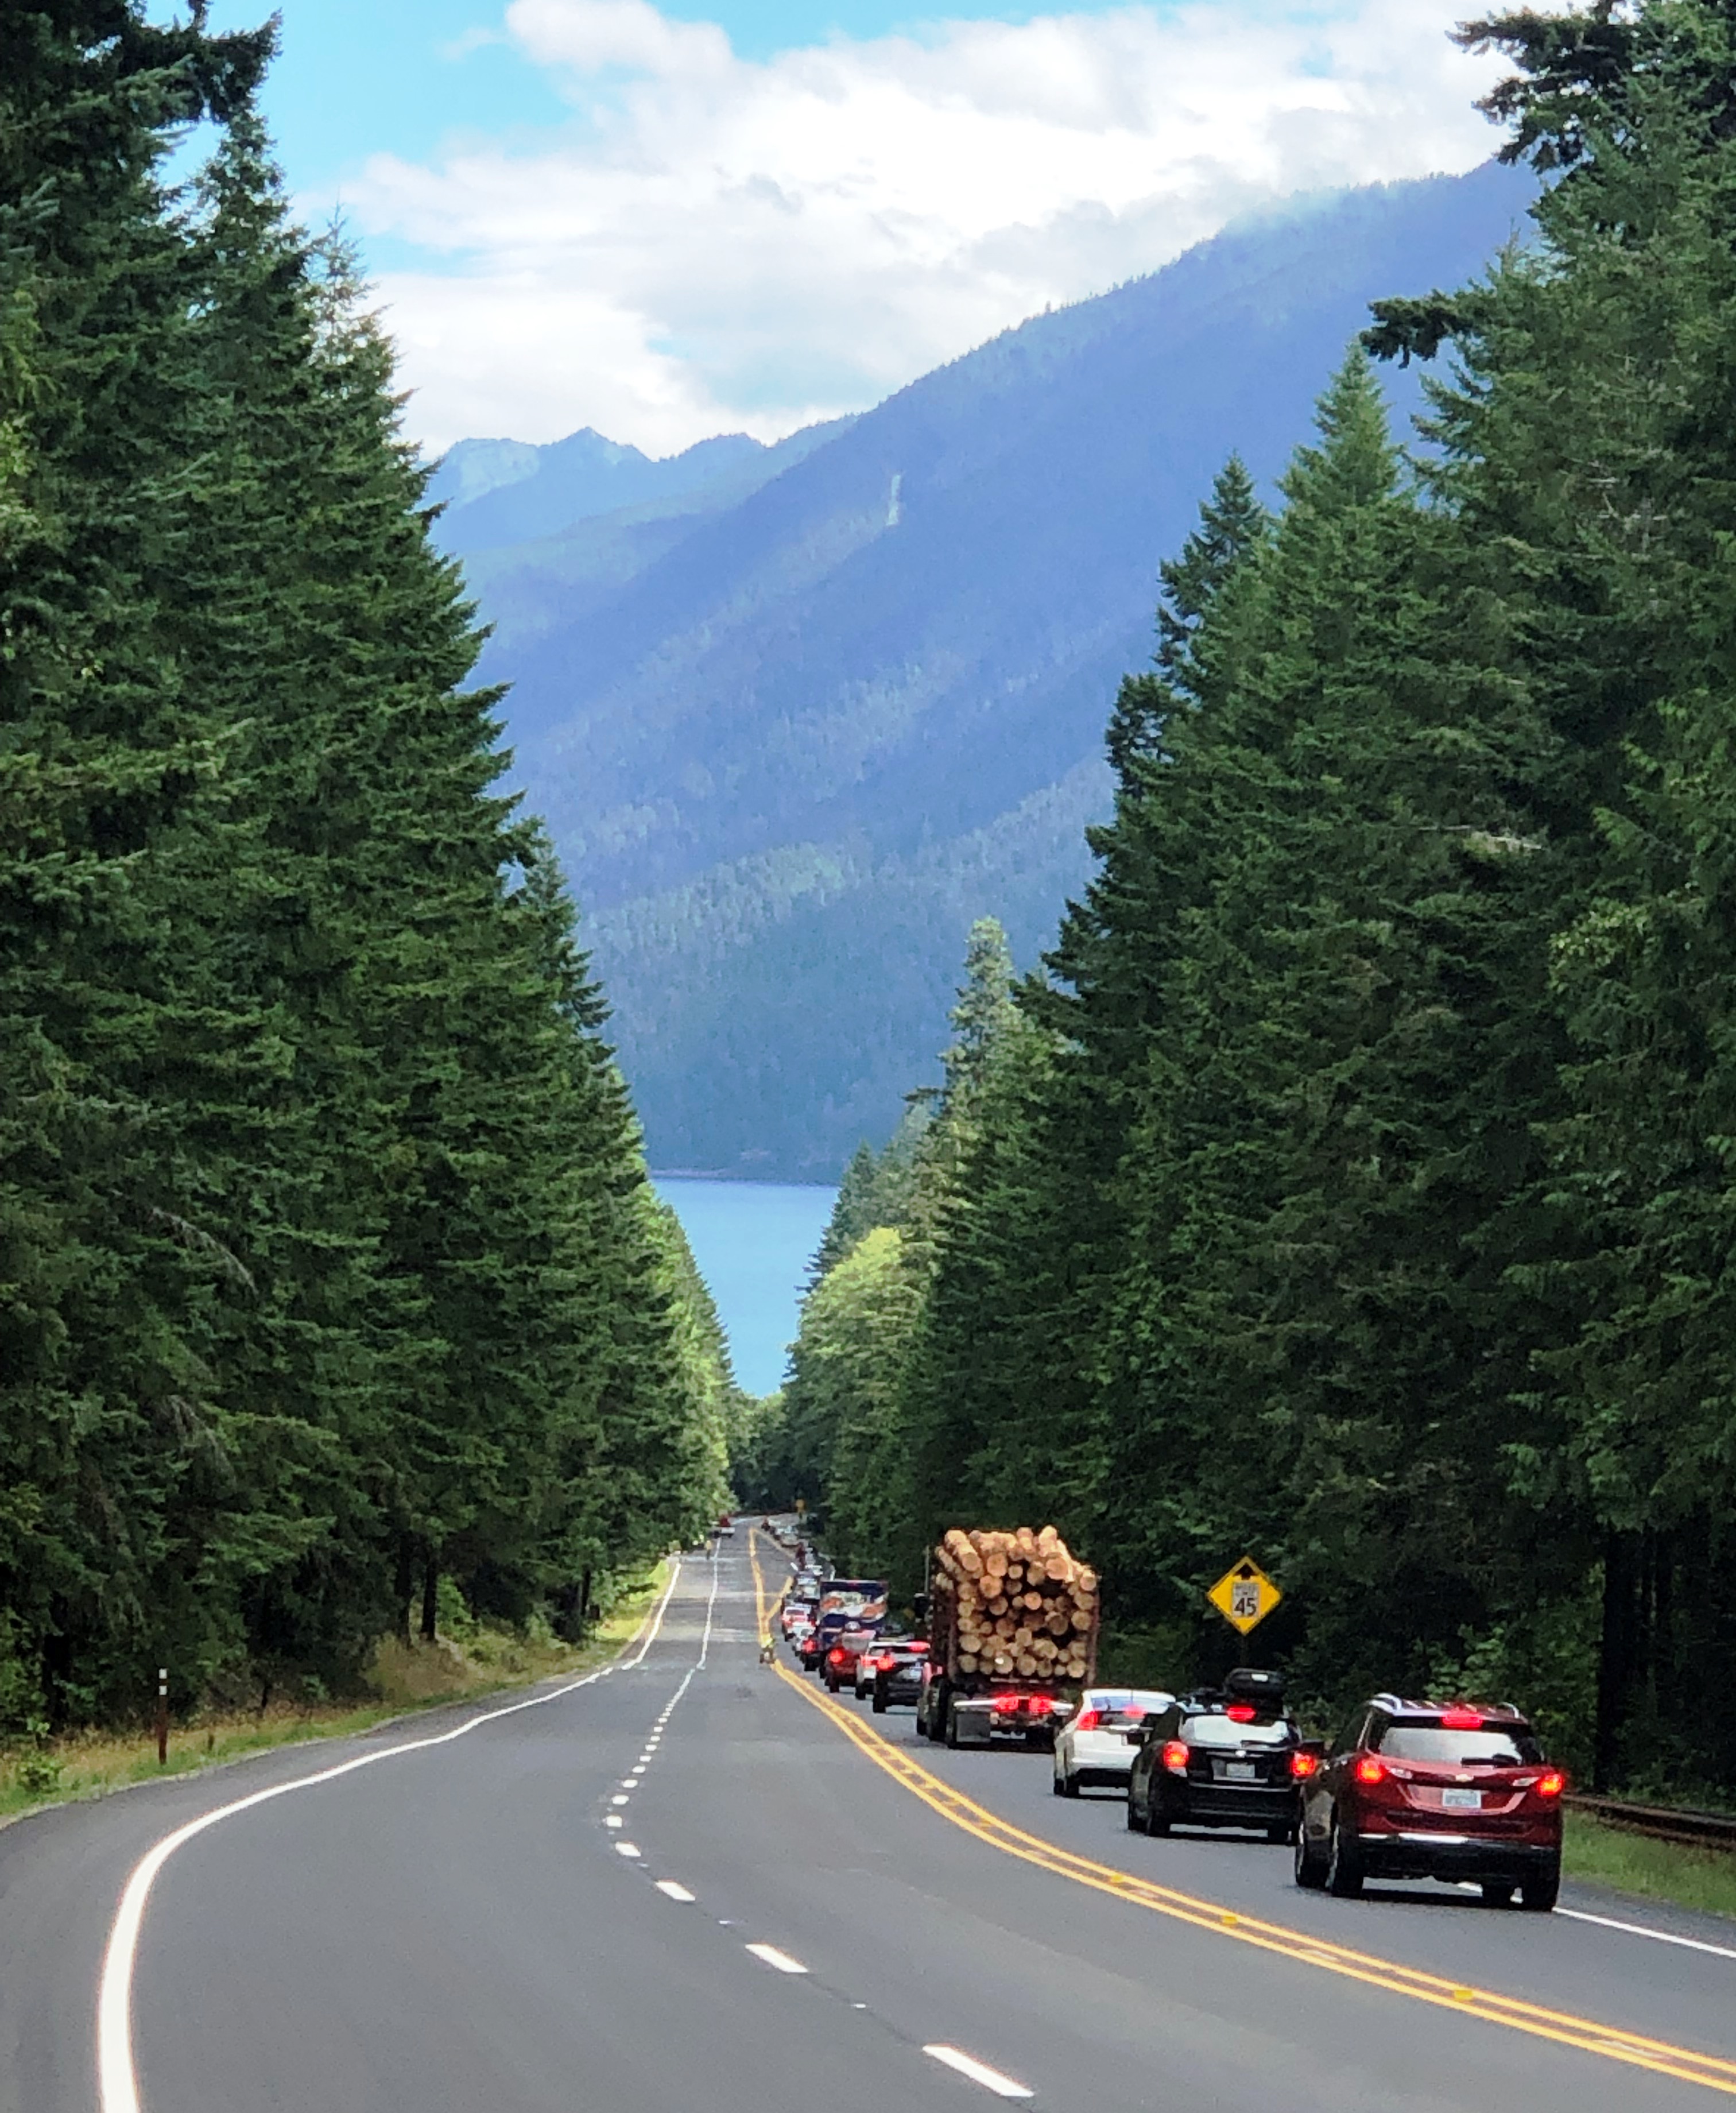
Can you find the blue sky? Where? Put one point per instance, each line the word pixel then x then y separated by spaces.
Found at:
pixel 667 220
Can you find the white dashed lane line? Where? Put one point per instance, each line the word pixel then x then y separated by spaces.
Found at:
pixel 627 1849
pixel 768 1954
pixel 674 1891
pixel 979 2072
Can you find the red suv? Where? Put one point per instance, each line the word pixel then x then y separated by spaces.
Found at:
pixel 1451 1790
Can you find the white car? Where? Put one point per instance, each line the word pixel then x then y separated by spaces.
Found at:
pixel 1094 1746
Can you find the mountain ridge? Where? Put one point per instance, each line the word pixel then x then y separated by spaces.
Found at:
pixel 866 681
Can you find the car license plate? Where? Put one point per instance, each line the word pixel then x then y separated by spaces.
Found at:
pixel 1462 1800
pixel 1241 1772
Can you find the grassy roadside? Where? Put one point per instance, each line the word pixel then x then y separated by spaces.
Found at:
pixel 1702 1879
pixel 91 1763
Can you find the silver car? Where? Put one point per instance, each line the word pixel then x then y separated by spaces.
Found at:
pixel 1095 1744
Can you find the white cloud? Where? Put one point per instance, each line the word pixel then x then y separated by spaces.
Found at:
pixel 720 243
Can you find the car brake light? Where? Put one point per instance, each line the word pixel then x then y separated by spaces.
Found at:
pixel 835 1656
pixel 1370 1770
pixel 1240 1712
pixel 1003 1702
pixel 1040 1704
pixel 1175 1756
pixel 1462 1720
pixel 1553 1785
pixel 1088 1720
pixel 1304 1765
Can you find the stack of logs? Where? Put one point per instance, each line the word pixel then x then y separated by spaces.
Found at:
pixel 1024 1606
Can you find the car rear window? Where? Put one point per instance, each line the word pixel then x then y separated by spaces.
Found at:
pixel 1216 1731
pixel 1503 1747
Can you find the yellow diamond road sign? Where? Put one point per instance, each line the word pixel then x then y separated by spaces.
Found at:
pixel 1245 1595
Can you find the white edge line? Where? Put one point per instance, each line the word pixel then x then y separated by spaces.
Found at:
pixel 663 1608
pixel 1657 1936
pixel 117 2082
pixel 979 2072
pixel 768 1954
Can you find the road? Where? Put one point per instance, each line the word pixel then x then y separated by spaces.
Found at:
pixel 696 1881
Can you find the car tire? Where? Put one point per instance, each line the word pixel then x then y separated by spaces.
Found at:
pixel 1279 1836
pixel 1496 1894
pixel 952 1727
pixel 880 1700
pixel 1310 1866
pixel 1054 1784
pixel 1136 1825
pixel 1540 1894
pixel 1069 1784
pixel 831 1681
pixel 1344 1872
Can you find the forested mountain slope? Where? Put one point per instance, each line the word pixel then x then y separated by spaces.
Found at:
pixel 790 758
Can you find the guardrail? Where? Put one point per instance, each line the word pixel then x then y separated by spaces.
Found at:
pixel 1663 1822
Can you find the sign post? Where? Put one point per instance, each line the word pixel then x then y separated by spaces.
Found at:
pixel 1245 1595
pixel 163 1716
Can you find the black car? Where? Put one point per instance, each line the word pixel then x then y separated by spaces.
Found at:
pixel 1222 1757
pixel 898 1673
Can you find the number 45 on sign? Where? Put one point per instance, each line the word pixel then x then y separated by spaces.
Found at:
pixel 1245 1595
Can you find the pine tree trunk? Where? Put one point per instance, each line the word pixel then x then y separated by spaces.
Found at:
pixel 431 1596
pixel 1615 1653
pixel 403 1587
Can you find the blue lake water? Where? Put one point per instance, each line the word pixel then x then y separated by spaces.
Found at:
pixel 753 1241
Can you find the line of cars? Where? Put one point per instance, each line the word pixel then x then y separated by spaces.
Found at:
pixel 1408 1788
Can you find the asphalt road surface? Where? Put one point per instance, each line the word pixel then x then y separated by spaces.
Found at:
pixel 696 1882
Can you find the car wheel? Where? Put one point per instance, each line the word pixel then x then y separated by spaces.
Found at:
pixel 1069 1784
pixel 1344 1872
pixel 1054 1784
pixel 831 1681
pixel 880 1702
pixel 1136 1824
pixel 952 1727
pixel 1539 1894
pixel 1310 1866
pixel 1495 1895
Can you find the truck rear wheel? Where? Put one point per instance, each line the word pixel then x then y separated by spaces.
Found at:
pixel 952 1726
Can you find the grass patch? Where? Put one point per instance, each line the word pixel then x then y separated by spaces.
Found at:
pixel 402 1680
pixel 1690 1877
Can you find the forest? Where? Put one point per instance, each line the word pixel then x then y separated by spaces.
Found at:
pixel 330 1274
pixel 1352 1185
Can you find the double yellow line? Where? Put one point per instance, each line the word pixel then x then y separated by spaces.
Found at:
pixel 1611 2041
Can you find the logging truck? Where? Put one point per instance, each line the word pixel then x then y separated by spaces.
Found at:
pixel 1012 1634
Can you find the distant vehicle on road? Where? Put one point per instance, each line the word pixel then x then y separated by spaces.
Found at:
pixel 799 1607
pixel 1454 1790
pixel 851 1602
pixel 1227 1757
pixel 844 1652
pixel 892 1672
pixel 1096 1745
pixel 1013 1621
pixel 725 1525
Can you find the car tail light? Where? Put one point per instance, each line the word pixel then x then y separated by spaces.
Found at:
pixel 1462 1720
pixel 835 1656
pixel 1553 1785
pixel 1370 1770
pixel 1088 1720
pixel 1175 1756
pixel 1040 1704
pixel 1004 1704
pixel 1303 1765
pixel 1240 1712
